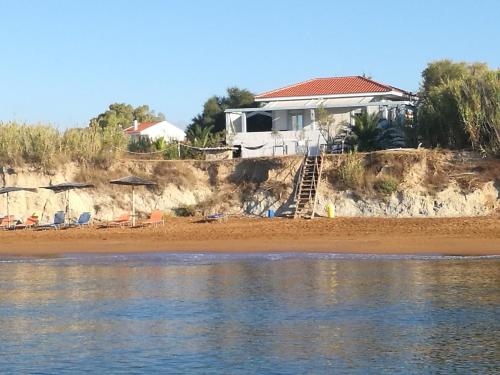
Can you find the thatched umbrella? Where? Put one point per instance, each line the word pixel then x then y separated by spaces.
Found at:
pixel 10 189
pixel 66 187
pixel 133 181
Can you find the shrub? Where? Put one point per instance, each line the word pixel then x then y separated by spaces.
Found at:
pixel 181 177
pixel 185 211
pixel 159 148
pixel 386 185
pixel 351 171
pixel 38 144
pixel 45 146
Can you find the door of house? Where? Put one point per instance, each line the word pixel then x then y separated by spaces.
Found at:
pixel 297 120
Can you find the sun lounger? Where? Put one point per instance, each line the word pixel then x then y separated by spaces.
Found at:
pixel 216 217
pixel 83 220
pixel 7 222
pixel 57 224
pixel 155 219
pixel 122 221
pixel 30 222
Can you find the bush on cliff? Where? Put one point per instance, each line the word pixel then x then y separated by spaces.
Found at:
pixel 350 172
pixel 47 147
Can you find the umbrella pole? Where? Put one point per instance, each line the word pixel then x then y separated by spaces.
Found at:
pixel 8 213
pixel 67 205
pixel 133 206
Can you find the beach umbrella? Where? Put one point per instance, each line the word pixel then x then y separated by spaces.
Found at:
pixel 133 181
pixel 66 187
pixel 11 189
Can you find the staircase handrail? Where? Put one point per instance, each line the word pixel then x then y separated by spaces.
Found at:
pixel 301 176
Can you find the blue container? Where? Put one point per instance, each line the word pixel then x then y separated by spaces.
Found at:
pixel 270 213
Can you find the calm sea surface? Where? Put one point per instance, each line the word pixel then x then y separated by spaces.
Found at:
pixel 264 314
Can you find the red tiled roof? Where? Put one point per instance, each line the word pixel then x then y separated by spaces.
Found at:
pixel 140 127
pixel 329 86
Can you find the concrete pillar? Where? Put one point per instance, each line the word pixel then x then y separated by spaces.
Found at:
pixel 244 122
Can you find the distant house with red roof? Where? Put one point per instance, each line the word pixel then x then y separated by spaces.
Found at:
pixel 155 130
pixel 285 123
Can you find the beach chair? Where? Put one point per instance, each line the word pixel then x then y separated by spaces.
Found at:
pixel 30 222
pixel 83 220
pixel 123 220
pixel 56 224
pixel 7 222
pixel 217 217
pixel 155 219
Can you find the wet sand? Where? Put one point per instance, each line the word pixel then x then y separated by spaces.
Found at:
pixel 450 236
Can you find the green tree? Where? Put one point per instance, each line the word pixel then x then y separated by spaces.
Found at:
pixel 123 115
pixel 459 106
pixel 365 131
pixel 213 110
pixel 200 136
pixel 439 72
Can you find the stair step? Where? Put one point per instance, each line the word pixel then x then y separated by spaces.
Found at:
pixel 307 187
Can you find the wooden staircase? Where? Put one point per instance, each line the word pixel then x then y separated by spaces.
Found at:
pixel 308 185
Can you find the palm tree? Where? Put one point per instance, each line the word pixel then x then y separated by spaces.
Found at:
pixel 200 136
pixel 365 131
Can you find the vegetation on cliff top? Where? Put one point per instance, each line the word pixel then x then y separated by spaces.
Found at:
pixel 47 147
pixel 458 108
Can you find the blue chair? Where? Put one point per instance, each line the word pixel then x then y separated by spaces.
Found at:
pixel 216 217
pixel 83 220
pixel 58 221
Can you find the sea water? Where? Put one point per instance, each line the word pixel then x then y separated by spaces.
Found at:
pixel 258 314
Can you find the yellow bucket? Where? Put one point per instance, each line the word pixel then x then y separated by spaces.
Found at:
pixel 330 210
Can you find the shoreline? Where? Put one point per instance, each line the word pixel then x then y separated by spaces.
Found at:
pixel 392 236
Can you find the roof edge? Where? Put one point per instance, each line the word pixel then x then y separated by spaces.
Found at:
pixel 379 84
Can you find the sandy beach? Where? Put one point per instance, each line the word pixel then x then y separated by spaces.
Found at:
pixel 451 236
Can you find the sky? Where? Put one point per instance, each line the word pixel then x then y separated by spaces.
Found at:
pixel 63 62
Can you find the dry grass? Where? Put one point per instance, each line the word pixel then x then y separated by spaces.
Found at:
pixel 254 170
pixel 219 201
pixel 47 148
pixel 178 174
pixel 381 172
pixel 469 174
pixel 277 189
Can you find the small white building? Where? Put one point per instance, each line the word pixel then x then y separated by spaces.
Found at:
pixel 155 130
pixel 285 123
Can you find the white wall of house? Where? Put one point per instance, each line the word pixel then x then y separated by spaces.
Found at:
pixel 277 144
pixel 290 141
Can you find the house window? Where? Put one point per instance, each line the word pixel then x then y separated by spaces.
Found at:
pixel 297 120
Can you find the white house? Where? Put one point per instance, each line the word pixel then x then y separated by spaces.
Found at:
pixel 285 123
pixel 155 130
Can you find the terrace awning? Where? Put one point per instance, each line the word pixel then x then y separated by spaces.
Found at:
pixel 316 103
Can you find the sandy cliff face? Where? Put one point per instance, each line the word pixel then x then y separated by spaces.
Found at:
pixel 428 184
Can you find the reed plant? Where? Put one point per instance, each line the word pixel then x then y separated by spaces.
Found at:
pixel 46 147
pixel 351 171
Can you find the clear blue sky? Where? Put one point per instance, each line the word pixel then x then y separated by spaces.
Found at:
pixel 65 61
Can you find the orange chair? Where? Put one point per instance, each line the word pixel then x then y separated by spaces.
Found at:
pixel 123 220
pixel 7 222
pixel 30 222
pixel 155 219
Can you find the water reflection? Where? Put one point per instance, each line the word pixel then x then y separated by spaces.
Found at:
pixel 296 314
